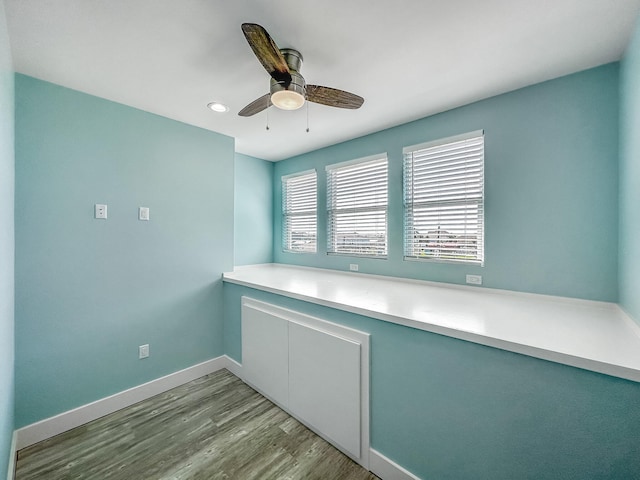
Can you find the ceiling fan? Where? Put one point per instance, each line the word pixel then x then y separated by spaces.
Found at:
pixel 288 88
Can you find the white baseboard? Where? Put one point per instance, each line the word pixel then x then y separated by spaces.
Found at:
pixel 380 465
pixel 11 470
pixel 387 469
pixel 234 367
pixel 52 426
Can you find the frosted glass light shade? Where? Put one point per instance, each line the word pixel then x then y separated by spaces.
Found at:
pixel 287 99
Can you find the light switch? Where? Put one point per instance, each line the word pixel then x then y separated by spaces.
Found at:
pixel 143 213
pixel 101 211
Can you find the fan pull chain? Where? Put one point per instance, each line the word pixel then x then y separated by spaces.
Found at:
pixel 307 117
pixel 267 118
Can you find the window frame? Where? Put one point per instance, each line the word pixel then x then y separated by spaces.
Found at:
pixel 288 214
pixel 450 205
pixel 333 210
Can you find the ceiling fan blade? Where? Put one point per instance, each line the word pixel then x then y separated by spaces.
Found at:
pixel 333 97
pixel 256 106
pixel 267 52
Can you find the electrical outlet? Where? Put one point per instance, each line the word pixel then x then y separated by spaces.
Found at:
pixel 143 351
pixel 353 267
pixel 474 279
pixel 100 211
pixel 143 213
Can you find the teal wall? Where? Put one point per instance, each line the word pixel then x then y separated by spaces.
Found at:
pixel 89 292
pixel 449 409
pixel 253 227
pixel 551 189
pixel 630 178
pixel 6 245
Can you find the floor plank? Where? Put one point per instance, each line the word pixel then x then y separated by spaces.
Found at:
pixel 214 428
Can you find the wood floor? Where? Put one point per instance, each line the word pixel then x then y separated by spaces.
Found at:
pixel 213 428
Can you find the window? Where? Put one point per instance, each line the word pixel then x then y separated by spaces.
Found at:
pixel 357 207
pixel 299 215
pixel 444 200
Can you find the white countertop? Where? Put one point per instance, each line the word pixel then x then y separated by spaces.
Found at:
pixel 595 336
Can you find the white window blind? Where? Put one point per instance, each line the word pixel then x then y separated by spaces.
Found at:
pixel 357 207
pixel 299 212
pixel 444 199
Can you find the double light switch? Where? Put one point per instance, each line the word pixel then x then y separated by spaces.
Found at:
pixel 101 212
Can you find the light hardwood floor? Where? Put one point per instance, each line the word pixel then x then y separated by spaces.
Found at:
pixel 213 428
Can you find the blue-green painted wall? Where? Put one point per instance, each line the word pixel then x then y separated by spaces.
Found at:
pixel 253 228
pixel 449 409
pixel 551 189
pixel 6 245
pixel 89 292
pixel 630 178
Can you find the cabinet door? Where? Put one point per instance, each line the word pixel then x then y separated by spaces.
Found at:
pixel 324 384
pixel 265 353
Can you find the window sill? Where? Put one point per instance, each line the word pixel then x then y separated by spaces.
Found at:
pixel 595 336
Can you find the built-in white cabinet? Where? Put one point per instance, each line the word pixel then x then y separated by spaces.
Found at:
pixel 265 356
pixel 316 370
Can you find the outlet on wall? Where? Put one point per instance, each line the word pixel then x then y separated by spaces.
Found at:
pixel 100 211
pixel 474 279
pixel 353 267
pixel 143 351
pixel 143 213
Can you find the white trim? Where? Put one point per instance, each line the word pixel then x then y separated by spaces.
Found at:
pixel 11 470
pixel 442 141
pixel 377 463
pixel 233 366
pixel 387 469
pixel 49 427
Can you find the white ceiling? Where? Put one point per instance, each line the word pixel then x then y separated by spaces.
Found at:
pixel 407 58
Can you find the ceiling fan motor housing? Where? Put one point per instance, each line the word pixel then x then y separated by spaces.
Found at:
pixel 297 85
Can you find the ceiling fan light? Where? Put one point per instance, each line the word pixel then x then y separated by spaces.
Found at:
pixel 287 99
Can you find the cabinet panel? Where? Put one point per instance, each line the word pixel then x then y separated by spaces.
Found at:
pixel 265 362
pixel 316 370
pixel 324 384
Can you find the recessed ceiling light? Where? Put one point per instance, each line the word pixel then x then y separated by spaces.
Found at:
pixel 218 107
